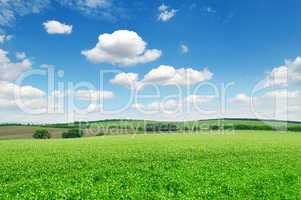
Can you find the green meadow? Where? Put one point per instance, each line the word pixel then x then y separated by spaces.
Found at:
pixel 215 165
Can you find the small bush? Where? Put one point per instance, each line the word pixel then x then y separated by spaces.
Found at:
pixel 295 128
pixel 100 134
pixel 214 127
pixel 41 134
pixel 73 133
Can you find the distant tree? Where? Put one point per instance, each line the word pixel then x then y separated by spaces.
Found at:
pixel 73 133
pixel 41 134
pixel 100 134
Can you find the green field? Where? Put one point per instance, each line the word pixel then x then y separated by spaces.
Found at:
pixel 240 165
pixel 121 127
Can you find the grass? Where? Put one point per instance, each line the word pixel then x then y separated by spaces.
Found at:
pixel 245 165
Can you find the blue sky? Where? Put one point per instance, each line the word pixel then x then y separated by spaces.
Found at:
pixel 237 41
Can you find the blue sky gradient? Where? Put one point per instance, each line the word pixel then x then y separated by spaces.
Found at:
pixel 238 41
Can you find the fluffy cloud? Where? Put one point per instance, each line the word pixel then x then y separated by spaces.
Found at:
pixel 241 99
pixel 10 71
pixel 199 99
pixel 175 105
pixel 282 75
pixel 278 104
pixel 168 75
pixel 29 104
pixel 166 13
pixel 93 95
pixel 122 47
pixel 163 75
pixel 130 80
pixel 4 38
pixel 94 108
pixel 30 97
pixel 56 27
pixel 10 90
pixel 184 49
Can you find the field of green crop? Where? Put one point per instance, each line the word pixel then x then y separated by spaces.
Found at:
pixel 244 165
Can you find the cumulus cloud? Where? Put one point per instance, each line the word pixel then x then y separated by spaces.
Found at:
pixel 130 80
pixel 241 99
pixel 5 38
pixel 164 75
pixel 122 47
pixel 282 75
pixel 29 104
pixel 190 102
pixel 184 49
pixel 56 27
pixel 166 13
pixel 280 104
pixel 30 97
pixel 94 108
pixel 198 99
pixel 10 90
pixel 93 95
pixel 10 71
pixel 168 75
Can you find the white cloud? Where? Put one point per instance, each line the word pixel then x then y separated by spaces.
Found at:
pixel 94 108
pixel 93 95
pixel 56 27
pixel 168 75
pixel 241 99
pixel 94 3
pixel 282 75
pixel 122 47
pixel 184 49
pixel 279 104
pixel 162 8
pixel 175 105
pixel 20 55
pixel 10 90
pixel 11 9
pixel 130 80
pixel 166 13
pixel 99 9
pixel 5 38
pixel 278 76
pixel 163 76
pixel 31 104
pixel 29 96
pixel 198 99
pixel 10 71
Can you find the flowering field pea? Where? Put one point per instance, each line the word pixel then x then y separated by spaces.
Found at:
pixel 245 165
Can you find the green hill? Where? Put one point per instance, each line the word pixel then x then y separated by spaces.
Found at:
pixel 118 127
